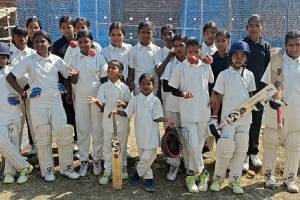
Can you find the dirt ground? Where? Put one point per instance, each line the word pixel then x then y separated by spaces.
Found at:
pixel 88 187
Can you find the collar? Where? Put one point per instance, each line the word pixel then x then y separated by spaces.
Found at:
pixel 48 59
pixel 117 83
pixel 193 65
pixel 115 48
pixel 146 97
pixel 260 41
pixel 240 70
pixel 150 46
pixel 14 49
pixel 289 59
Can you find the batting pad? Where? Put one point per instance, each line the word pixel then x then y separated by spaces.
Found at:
pixel 64 140
pixel 292 146
pixel 270 145
pixel 241 148
pixel 43 143
pixel 224 152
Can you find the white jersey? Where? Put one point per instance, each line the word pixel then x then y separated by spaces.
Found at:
pixel 291 82
pixel 142 60
pixel 146 110
pixel 161 55
pixel 193 78
pixel 91 70
pixel 71 52
pixel 8 113
pixel 43 73
pixel 208 50
pixel 235 89
pixel 109 93
pixel 121 54
pixel 171 102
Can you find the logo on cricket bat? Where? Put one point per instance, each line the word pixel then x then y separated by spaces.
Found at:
pixel 115 144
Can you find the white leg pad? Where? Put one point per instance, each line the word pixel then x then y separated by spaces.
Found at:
pixel 224 152
pixel 64 140
pixel 241 148
pixel 292 146
pixel 43 138
pixel 13 135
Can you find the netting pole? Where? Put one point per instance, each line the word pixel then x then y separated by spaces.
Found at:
pixel 229 12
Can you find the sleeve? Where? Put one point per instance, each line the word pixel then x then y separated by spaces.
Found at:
pixel 157 110
pixel 211 77
pixel 166 74
pixel 63 69
pixel 175 78
pixel 252 85
pixel 267 56
pixel 104 53
pixel 101 94
pixel 131 58
pixel 21 68
pixel 158 58
pixel 267 75
pixel 128 95
pixel 68 55
pixel 130 109
pixel 220 84
pixel 102 65
pixel 97 46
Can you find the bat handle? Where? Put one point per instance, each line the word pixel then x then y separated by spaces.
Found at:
pixel 279 118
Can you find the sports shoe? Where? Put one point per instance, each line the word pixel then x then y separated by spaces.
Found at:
pixel 291 185
pixel 255 160
pixel 135 178
pixel 191 184
pixel 70 173
pixel 97 167
pixel 236 187
pixel 23 176
pixel 271 181
pixel 149 185
pixel 49 176
pixel 203 179
pixel 172 174
pixel 9 178
pixel 105 178
pixel 124 173
pixel 246 164
pixel 84 167
pixel 217 185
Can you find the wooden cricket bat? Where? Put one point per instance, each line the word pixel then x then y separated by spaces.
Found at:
pixel 277 80
pixel 116 158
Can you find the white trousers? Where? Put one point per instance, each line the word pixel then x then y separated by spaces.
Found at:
pixel 146 159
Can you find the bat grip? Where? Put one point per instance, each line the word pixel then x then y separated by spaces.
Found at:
pixel 279 118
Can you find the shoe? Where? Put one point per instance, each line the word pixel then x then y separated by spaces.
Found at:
pixel 124 173
pixel 246 165
pixel 217 185
pixel 9 178
pixel 291 185
pixel 255 160
pixel 49 176
pixel 172 174
pixel 84 167
pixel 23 176
pixel 191 184
pixel 271 181
pixel 97 167
pixel 149 185
pixel 135 178
pixel 33 150
pixel 236 187
pixel 70 173
pixel 105 178
pixel 203 179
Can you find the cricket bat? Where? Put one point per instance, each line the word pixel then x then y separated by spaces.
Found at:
pixel 116 157
pixel 265 94
pixel 277 80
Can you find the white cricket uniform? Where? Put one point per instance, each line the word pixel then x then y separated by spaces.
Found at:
pixel 208 50
pixel 88 116
pixel 194 112
pixel 10 117
pixel 16 56
pixel 121 54
pixel 146 110
pixel 109 93
pixel 289 136
pixel 142 60
pixel 234 86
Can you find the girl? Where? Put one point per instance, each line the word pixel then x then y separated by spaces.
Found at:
pixel 10 117
pixel 142 57
pixel 148 112
pixel 117 50
pixel 33 25
pixel 171 103
pixel 112 95
pixel 232 88
pixel 258 61
pixel 209 33
pixel 88 117
pixel 46 106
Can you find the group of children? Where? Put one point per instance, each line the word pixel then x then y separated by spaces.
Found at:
pixel 75 84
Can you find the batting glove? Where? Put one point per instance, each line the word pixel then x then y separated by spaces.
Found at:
pixel 35 92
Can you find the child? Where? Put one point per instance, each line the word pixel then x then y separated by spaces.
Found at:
pixel 289 137
pixel 148 112
pixel 10 117
pixel 117 50
pixel 112 95
pixel 88 117
pixel 209 31
pixel 232 88
pixel 142 57
pixel 19 50
pixel 190 82
pixel 171 103
pixel 46 106
pixel 257 63
pixel 33 25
